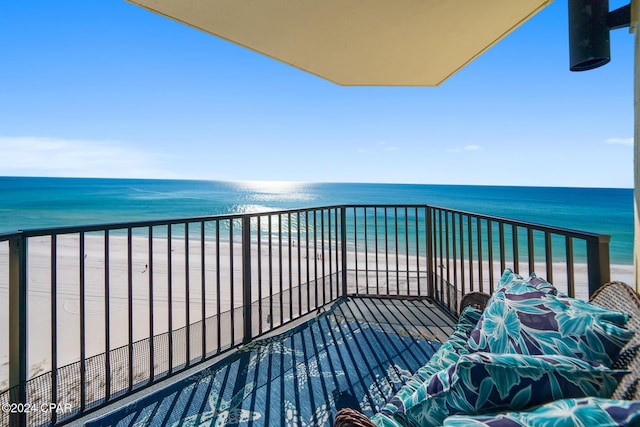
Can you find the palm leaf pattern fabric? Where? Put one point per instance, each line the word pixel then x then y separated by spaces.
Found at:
pixel 591 411
pixel 523 318
pixel 484 382
pixel 531 345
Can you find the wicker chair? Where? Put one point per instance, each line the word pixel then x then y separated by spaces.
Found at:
pixel 613 295
pixel 619 296
pixel 478 300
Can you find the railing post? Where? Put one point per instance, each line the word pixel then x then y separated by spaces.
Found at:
pixel 599 269
pixel 343 247
pixel 430 272
pixel 18 325
pixel 246 279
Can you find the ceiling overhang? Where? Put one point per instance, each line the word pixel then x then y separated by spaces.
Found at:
pixel 359 42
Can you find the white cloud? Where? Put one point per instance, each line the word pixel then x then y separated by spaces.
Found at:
pixel 38 156
pixel 620 141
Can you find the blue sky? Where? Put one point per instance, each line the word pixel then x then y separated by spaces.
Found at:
pixel 108 89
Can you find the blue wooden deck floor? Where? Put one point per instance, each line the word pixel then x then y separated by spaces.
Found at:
pixel 356 353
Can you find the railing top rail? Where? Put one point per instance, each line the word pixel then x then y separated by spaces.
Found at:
pixel 11 235
pixel 175 221
pixel 388 205
pixel 46 231
pixel 540 227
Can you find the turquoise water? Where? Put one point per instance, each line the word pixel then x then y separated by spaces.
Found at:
pixel 27 203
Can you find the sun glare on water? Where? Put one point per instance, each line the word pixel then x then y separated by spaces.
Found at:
pixel 266 191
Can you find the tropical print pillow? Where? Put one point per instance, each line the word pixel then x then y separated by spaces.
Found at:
pixel 484 382
pixel 510 281
pixel 524 319
pixel 590 411
pixel 447 355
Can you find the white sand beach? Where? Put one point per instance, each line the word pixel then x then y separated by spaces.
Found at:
pixel 282 274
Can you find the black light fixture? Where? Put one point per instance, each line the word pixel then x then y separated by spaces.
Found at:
pixel 589 24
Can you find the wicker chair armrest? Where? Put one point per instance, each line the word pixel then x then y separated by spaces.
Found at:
pixel 624 294
pixel 620 296
pixel 475 299
pixel 347 417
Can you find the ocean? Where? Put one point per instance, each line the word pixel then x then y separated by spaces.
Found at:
pixel 27 203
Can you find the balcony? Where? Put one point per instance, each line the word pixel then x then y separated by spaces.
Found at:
pixel 265 317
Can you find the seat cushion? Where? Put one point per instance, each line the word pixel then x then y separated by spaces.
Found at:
pixel 485 382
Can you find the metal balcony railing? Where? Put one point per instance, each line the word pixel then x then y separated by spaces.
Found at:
pixel 96 313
